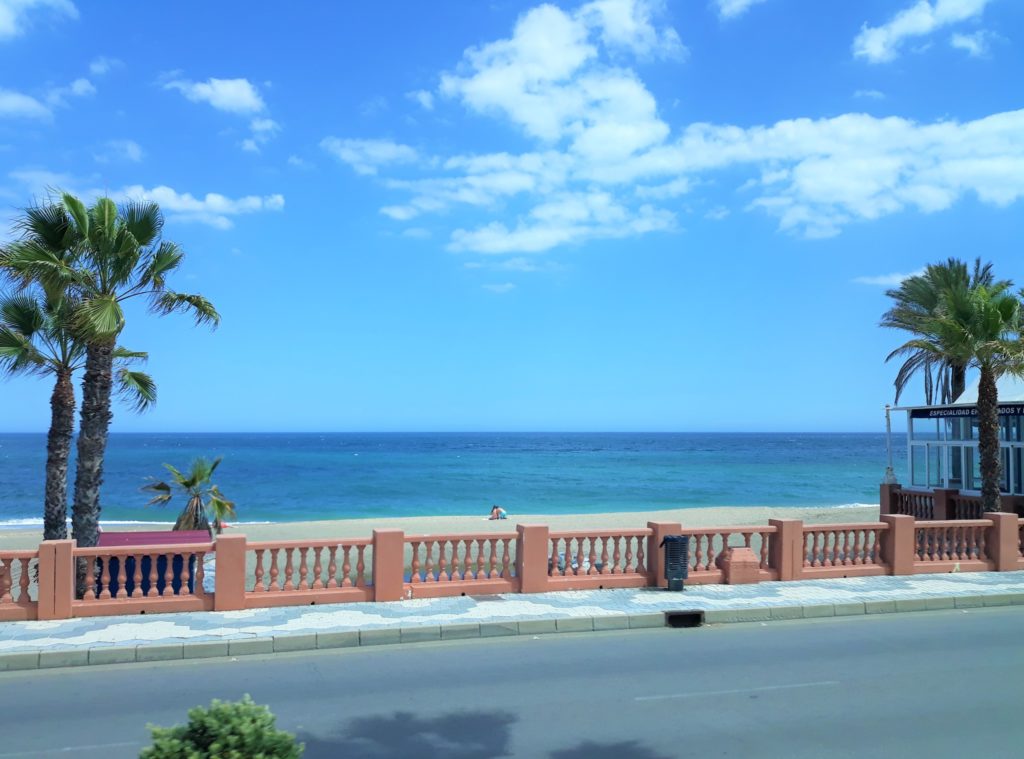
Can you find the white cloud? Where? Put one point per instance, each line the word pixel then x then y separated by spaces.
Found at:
pixel 887 280
pixel 729 9
pixel 373 106
pixel 14 13
pixel 505 287
pixel 367 156
pixel 629 24
pixel 79 88
pixel 718 213
pixel 262 131
pixel 416 233
pixel 18 105
pixel 101 65
pixel 518 264
pixel 231 95
pixel 299 163
pixel 882 43
pixel 120 150
pixel 870 94
pixel 976 45
pixel 423 97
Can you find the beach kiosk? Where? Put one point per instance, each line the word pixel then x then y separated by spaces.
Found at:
pixel 943 477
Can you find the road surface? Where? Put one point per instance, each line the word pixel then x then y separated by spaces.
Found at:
pixel 928 684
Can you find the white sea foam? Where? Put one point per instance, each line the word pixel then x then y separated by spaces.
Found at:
pixel 18 524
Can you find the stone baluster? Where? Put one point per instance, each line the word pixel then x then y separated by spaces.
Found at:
pixel 289 569
pixel 258 585
pixel 274 571
pixel 506 559
pixel 442 562
pixel 346 568
pixel 90 578
pixel 303 569
pixel 332 566
pixel 5 580
pixel 318 568
pixel 480 575
pixel 415 565
pixel 429 564
pixel 105 578
pixel 492 567
pixel 361 567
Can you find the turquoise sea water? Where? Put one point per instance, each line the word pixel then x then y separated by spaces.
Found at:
pixel 291 477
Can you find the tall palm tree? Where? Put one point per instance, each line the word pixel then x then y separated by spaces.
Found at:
pixel 204 498
pixel 979 328
pixel 104 255
pixel 36 338
pixel 914 305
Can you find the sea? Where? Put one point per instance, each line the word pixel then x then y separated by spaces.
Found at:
pixel 285 477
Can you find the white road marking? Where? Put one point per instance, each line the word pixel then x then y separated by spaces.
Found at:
pixel 762 689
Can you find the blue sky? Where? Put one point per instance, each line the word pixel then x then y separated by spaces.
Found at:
pixel 608 215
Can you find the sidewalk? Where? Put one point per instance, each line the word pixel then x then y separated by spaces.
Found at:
pixel 110 640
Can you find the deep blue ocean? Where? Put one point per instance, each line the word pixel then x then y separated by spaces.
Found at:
pixel 291 477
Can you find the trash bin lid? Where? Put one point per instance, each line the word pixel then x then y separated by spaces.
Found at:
pixel 675 539
pixel 154 538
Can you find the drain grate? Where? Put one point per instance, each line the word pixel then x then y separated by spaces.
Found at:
pixel 694 618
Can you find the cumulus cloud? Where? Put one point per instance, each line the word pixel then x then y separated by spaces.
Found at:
pixel 975 45
pixel 630 25
pixel 367 156
pixel 102 65
pixel 120 150
pixel 887 280
pixel 504 287
pixel 14 14
pixel 231 95
pixel 870 94
pixel 58 96
pixel 729 9
pixel 424 97
pixel 878 44
pixel 17 105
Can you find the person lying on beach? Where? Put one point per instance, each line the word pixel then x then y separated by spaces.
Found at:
pixel 497 512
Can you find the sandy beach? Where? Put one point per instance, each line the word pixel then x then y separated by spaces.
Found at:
pixel 26 538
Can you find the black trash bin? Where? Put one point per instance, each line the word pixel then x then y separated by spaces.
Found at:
pixel 677 560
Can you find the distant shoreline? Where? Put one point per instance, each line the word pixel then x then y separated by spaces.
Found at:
pixel 14 538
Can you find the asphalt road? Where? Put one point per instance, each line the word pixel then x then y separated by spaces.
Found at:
pixel 935 684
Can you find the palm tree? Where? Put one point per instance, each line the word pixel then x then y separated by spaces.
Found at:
pixel 204 499
pixel 915 301
pixel 36 338
pixel 105 256
pixel 978 328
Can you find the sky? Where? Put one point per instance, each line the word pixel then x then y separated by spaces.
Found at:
pixel 614 215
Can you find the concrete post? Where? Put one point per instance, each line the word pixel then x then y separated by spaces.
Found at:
pixel 898 544
pixel 532 546
pixel 229 580
pixel 786 548
pixel 942 504
pixel 887 498
pixel 655 553
pixel 740 567
pixel 56 579
pixel 388 565
pixel 1002 540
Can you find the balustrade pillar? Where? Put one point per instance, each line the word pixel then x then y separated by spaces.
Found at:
pixel 229 580
pixel 786 548
pixel 56 587
pixel 898 543
pixel 532 556
pixel 388 565
pixel 942 504
pixel 1002 540
pixel 887 498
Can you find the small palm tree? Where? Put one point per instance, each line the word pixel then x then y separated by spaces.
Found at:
pixel 36 338
pixel 204 499
pixel 914 305
pixel 979 328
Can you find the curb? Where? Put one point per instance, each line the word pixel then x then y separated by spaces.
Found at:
pixel 206 649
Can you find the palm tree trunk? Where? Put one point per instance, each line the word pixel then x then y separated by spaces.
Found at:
pixel 58 449
pixel 958 381
pixel 988 440
pixel 92 441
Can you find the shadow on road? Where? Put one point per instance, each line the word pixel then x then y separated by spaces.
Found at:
pixel 591 750
pixel 461 735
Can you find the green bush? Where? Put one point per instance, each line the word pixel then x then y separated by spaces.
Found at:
pixel 227 730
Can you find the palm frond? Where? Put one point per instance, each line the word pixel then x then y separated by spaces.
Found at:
pixel 143 219
pixel 129 356
pixel 162 490
pixel 47 224
pixel 77 211
pixel 23 313
pixel 99 317
pixel 165 259
pixel 202 310
pixel 137 389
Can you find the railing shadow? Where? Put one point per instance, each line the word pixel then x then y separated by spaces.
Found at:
pixel 461 735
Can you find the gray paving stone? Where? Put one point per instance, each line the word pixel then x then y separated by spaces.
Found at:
pixel 250 646
pixel 968 602
pixel 612 622
pixel 380 637
pixel 18 661
pixel 460 631
pixel 819 610
pixel 205 649
pixel 301 642
pixel 112 655
pixel 536 626
pixel 999 599
pixel 163 652
pixel 345 639
pixel 724 616
pixel 879 607
pixel 911 604
pixel 640 621
pixel 420 634
pixel 575 624
pixel 71 658
pixel 787 612
pixel 498 629
pixel 935 604
pixel 848 609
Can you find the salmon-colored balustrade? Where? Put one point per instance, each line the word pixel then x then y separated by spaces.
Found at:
pixel 603 552
pixel 133 579
pixel 1020 539
pixel 966 507
pixel 282 573
pixel 18 589
pixel 843 547
pixel 440 565
pixel 952 541
pixel 918 504
pixel 708 547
